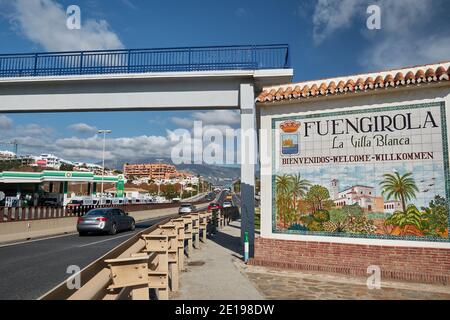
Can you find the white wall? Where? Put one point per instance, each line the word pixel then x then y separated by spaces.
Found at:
pixel 351 101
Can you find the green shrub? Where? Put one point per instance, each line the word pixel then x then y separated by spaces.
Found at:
pixel 315 226
pixel 321 216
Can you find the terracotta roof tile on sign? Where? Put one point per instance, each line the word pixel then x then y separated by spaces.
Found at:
pixel 360 83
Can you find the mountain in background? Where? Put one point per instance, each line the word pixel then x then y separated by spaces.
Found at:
pixel 215 174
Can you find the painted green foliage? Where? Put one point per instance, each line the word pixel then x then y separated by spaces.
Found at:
pixel 302 206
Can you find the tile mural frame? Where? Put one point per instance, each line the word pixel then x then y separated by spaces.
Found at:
pixel 445 151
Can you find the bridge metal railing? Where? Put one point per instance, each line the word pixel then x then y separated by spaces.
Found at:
pixel 145 61
pixel 146 266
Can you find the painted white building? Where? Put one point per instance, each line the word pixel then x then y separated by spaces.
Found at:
pixel 391 206
pixel 361 195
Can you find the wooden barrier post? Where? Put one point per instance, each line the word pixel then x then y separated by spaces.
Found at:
pixel 170 230
pixel 179 225
pixel 188 234
pixel 220 219
pixel 158 244
pixel 196 230
pixel 130 272
pixel 203 225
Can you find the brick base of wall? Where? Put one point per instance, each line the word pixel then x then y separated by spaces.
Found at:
pixel 425 265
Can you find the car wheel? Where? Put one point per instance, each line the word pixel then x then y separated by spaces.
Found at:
pixel 113 229
pixel 133 226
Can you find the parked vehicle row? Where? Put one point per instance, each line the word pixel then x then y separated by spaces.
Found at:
pixel 89 201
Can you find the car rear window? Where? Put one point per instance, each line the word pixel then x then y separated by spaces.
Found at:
pixel 97 213
pixel 186 205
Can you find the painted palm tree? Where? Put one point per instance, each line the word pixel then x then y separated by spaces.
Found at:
pixel 299 188
pixel 399 187
pixel 283 190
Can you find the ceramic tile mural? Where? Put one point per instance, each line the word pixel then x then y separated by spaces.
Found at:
pixel 378 173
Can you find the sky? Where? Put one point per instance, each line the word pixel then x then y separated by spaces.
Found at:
pixel 327 38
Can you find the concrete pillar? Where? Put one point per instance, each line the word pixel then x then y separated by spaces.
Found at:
pixel 65 190
pixel 248 161
pixel 18 190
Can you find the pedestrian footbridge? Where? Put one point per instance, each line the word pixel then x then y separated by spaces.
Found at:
pixel 196 78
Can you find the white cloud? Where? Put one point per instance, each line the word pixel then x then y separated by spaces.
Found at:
pixel 218 117
pixel 5 122
pixel 409 36
pixel 44 23
pixel 409 32
pixel 130 4
pixel 33 130
pixel 83 128
pixel 332 15
pixel 117 148
pixel 183 122
pixel 210 118
pixel 241 12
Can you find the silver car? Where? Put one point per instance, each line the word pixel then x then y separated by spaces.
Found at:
pixel 187 208
pixel 105 220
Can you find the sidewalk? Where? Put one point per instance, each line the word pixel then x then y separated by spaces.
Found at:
pixel 278 284
pixel 217 271
pixel 216 262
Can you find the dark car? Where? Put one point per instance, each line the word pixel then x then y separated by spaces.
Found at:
pixel 105 220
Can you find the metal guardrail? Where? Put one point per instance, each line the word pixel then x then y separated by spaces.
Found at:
pixel 145 61
pixel 149 261
pixel 45 213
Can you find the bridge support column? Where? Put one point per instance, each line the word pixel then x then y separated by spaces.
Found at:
pixel 248 162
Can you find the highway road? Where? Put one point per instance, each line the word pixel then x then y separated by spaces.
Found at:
pixel 30 269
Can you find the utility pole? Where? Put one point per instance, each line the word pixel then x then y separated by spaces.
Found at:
pixel 104 132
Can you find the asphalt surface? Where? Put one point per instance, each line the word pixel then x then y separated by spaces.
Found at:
pixel 28 270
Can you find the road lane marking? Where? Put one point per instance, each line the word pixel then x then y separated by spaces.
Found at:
pixel 37 240
pixel 106 240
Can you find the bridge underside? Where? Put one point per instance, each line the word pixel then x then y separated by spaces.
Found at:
pixel 162 92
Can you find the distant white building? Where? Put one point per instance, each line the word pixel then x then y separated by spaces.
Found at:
pixel 7 155
pixel 48 160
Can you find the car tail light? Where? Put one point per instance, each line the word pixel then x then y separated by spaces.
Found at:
pixel 102 219
pixel 80 220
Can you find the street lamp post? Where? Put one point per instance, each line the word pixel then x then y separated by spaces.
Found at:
pixel 159 169
pixel 104 132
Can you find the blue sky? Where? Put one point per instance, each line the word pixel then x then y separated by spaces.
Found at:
pixel 326 37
